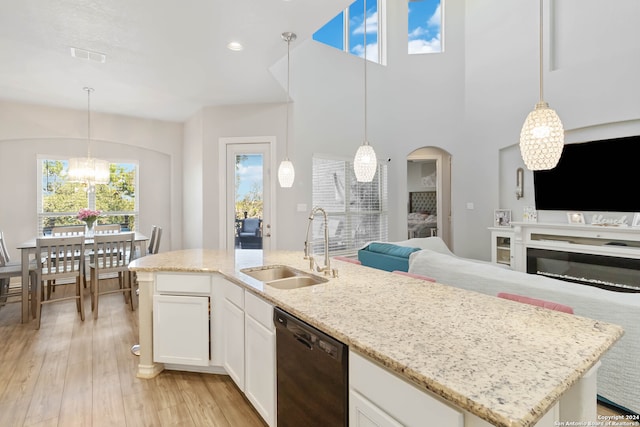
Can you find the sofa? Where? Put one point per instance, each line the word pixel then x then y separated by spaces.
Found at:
pixel 619 375
pixel 386 256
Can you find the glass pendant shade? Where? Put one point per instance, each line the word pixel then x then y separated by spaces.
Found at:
pixel 89 170
pixel 541 138
pixel 286 173
pixel 365 163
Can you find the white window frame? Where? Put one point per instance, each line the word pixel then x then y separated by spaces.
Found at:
pixel 91 199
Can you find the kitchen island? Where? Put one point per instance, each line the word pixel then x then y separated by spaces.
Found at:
pixel 494 360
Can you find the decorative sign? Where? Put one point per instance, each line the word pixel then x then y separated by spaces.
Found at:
pixel 613 222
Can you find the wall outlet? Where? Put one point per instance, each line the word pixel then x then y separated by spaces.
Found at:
pixel 470 206
pixel 302 207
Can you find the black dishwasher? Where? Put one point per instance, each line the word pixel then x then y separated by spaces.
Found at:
pixel 311 375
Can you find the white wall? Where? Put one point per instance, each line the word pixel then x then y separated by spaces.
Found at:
pixel 29 130
pixel 193 182
pixel 594 56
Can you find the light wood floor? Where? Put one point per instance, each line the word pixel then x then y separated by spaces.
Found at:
pixel 74 373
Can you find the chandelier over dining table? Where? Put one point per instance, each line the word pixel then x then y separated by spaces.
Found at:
pixel 89 170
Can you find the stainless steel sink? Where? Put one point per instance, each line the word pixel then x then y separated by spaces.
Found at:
pixel 283 277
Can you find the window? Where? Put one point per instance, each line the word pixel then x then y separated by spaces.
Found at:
pixel 346 31
pixel 357 211
pixel 425 26
pixel 60 200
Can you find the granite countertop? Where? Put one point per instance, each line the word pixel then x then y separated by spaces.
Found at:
pixel 503 361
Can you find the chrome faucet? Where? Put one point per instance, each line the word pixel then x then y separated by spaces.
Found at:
pixel 327 260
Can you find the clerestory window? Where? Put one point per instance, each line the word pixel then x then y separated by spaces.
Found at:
pixel 346 30
pixel 425 26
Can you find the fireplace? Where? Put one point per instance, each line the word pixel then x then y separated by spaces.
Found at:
pixel 608 272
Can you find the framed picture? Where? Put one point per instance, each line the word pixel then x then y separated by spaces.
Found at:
pixel 502 218
pixel 636 220
pixel 529 214
pixel 575 217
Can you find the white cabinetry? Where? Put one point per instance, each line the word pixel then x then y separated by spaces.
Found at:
pixel 379 398
pixel 233 332
pixel 260 361
pixel 502 246
pixel 181 319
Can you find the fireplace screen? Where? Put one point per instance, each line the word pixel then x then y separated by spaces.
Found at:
pixel 607 272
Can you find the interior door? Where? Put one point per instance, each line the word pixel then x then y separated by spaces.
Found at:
pixel 248 195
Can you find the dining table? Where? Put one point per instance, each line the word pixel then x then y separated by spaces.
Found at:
pixel 28 248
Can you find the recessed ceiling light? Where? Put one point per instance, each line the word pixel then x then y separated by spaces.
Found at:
pixel 88 55
pixel 235 46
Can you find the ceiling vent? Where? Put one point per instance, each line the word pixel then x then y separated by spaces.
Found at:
pixel 88 55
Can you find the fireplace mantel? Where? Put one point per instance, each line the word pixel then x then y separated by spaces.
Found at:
pixel 623 242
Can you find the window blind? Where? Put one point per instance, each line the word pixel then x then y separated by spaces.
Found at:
pixel 357 211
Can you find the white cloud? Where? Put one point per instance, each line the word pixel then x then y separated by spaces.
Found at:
pixel 372 25
pixel 250 174
pixel 436 18
pixel 425 46
pixel 419 31
pixel 372 51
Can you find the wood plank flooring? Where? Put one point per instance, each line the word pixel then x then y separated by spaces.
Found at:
pixel 74 373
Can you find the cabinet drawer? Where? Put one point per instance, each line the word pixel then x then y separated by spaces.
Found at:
pixel 183 283
pixel 234 293
pixel 259 309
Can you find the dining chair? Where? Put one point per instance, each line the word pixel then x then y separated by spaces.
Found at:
pixel 8 270
pixel 152 239
pixel 156 243
pixel 59 259
pixel 107 228
pixel 112 253
pixel 67 230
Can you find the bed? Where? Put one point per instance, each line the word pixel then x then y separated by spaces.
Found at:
pixel 421 222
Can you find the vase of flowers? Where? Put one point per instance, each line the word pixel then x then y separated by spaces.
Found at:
pixel 89 217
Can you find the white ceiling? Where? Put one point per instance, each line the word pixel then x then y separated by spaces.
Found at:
pixel 166 59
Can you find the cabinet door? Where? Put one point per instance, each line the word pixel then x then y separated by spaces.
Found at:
pixel 233 338
pixel 181 330
pixel 363 413
pixel 260 367
pixel 400 400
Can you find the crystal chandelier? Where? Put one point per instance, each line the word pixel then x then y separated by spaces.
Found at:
pixel 89 170
pixel 365 162
pixel 286 172
pixel 542 135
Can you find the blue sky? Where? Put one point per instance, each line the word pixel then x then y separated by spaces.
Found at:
pixel 249 172
pixel 424 28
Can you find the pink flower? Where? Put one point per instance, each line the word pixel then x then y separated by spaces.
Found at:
pixel 88 215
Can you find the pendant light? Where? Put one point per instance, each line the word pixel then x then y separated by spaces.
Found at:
pixel 88 170
pixel 542 135
pixel 365 162
pixel 286 172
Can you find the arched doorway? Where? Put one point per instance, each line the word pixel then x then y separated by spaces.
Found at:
pixel 429 193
